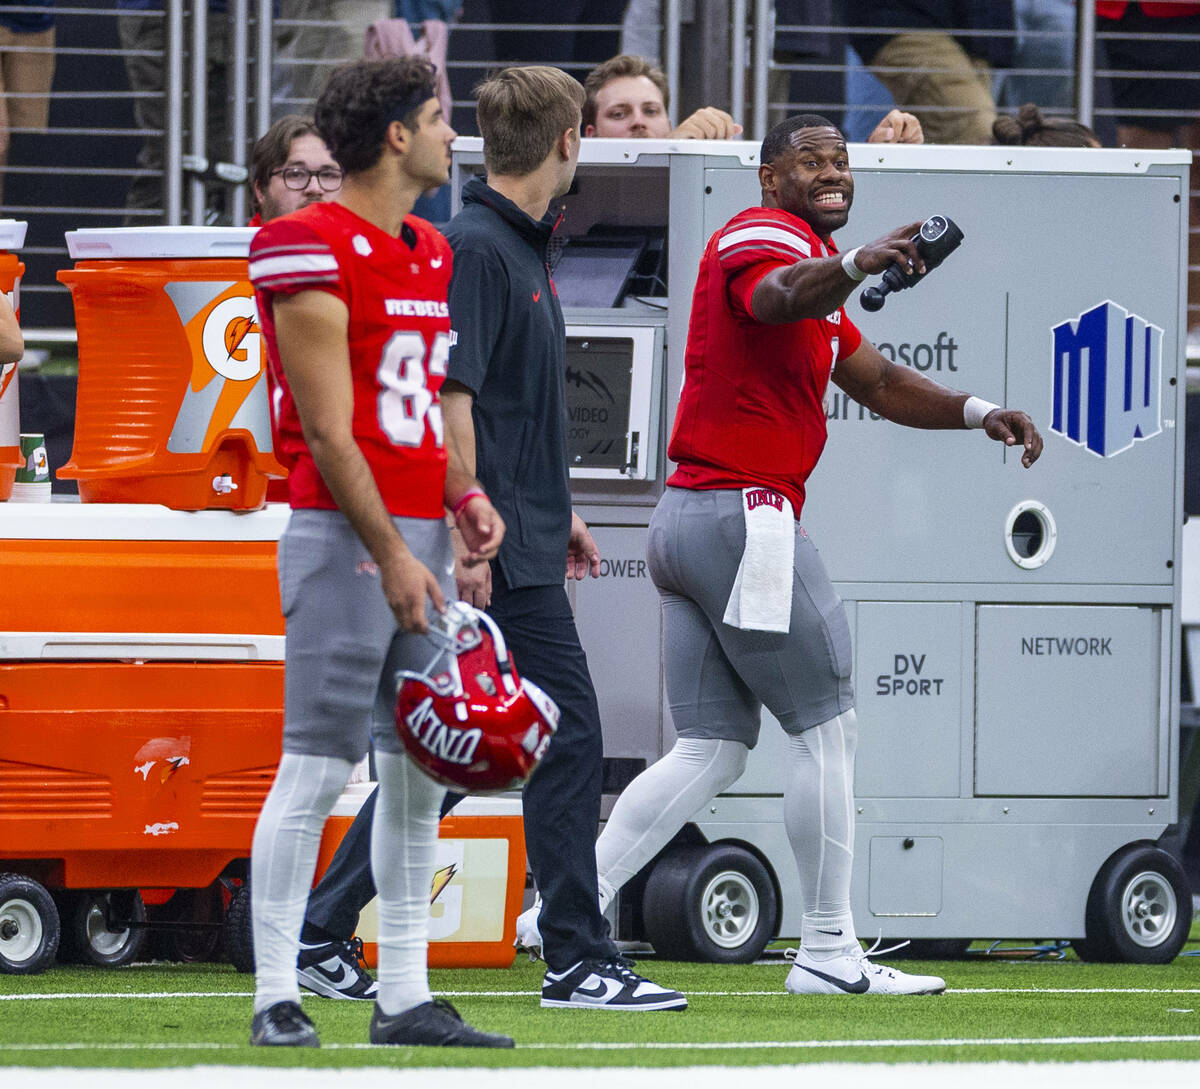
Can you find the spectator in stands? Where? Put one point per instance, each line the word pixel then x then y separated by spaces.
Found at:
pixel 1030 129
pixel 1046 41
pixel 290 167
pixel 628 97
pixel 1160 110
pixel 944 79
pixel 142 29
pixel 26 70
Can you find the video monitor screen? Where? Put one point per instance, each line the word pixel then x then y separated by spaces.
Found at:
pixel 599 388
pixel 595 271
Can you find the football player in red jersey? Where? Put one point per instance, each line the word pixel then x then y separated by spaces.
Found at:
pixel 352 305
pixel 759 622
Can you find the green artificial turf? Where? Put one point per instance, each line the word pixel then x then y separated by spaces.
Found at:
pixel 1081 1011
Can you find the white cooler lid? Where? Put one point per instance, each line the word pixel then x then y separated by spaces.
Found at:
pixel 105 243
pixel 12 233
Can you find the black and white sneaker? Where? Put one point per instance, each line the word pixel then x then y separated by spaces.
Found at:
pixel 335 970
pixel 606 984
pixel 283 1025
pixel 431 1024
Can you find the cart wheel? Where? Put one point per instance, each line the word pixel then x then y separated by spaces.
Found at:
pixel 1139 909
pixel 29 926
pixel 710 903
pixel 105 928
pixel 195 922
pixel 238 930
pixel 932 949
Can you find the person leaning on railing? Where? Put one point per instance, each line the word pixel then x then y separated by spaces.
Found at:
pixel 628 97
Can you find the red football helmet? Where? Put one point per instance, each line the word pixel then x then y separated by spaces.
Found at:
pixel 476 726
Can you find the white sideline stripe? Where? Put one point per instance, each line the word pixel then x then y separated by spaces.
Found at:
pixel 534 994
pixel 663 1045
pixel 1005 1075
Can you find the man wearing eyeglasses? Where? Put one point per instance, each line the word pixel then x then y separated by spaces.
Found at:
pixel 290 167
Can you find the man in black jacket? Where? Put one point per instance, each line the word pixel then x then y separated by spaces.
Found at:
pixel 505 401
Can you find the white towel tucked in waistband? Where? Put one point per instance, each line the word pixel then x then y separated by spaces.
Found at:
pixel 761 599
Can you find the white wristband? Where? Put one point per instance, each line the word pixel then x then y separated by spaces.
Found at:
pixel 850 268
pixel 975 409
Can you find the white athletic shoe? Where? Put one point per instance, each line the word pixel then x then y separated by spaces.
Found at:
pixel 853 974
pixel 529 938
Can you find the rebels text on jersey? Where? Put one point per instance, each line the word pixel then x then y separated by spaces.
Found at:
pixel 751 407
pixel 399 341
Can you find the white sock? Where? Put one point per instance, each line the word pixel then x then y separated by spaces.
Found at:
pixel 818 813
pixel 403 844
pixel 283 857
pixel 659 802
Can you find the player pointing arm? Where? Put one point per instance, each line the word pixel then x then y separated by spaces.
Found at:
pixel 815 183
pixel 744 590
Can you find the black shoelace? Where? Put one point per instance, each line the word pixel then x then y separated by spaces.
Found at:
pixel 445 1007
pixel 355 948
pixel 290 1018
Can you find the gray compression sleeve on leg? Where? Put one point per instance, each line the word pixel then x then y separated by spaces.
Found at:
pixel 659 802
pixel 283 857
pixel 819 819
pixel 403 846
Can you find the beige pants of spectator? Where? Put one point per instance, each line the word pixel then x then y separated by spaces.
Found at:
pixel 305 55
pixel 26 72
pixel 931 75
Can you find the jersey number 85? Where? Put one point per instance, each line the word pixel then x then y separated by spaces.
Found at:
pixel 405 403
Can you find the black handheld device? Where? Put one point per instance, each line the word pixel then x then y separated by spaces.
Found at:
pixel 938 237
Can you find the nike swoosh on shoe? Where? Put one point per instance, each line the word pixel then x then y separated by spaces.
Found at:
pixel 854 986
pixel 604 990
pixel 338 980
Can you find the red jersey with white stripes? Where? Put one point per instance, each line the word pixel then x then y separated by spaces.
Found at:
pixel 399 341
pixel 751 407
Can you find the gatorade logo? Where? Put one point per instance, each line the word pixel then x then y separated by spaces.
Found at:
pixel 227 390
pixel 230 339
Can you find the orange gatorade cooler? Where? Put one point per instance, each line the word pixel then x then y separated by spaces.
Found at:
pixel 478 883
pixel 12 237
pixel 172 404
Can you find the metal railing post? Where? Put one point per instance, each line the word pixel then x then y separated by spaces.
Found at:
pixel 671 19
pixel 238 101
pixel 764 36
pixel 199 105
pixel 173 116
pixel 262 68
pixel 1085 63
pixel 737 60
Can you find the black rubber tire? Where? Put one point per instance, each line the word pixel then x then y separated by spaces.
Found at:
pixel 1139 909
pixel 714 903
pixel 200 907
pixel 930 949
pixel 29 926
pixel 238 931
pixel 91 937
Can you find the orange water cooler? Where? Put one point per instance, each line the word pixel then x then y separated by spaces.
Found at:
pixel 141 691
pixel 478 883
pixel 12 237
pixel 172 404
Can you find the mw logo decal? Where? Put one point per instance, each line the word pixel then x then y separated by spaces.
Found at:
pixel 1107 380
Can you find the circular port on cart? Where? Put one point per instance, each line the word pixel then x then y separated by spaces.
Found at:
pixel 1030 534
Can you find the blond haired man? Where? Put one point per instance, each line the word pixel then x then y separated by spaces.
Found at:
pixel 628 97
pixel 505 410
